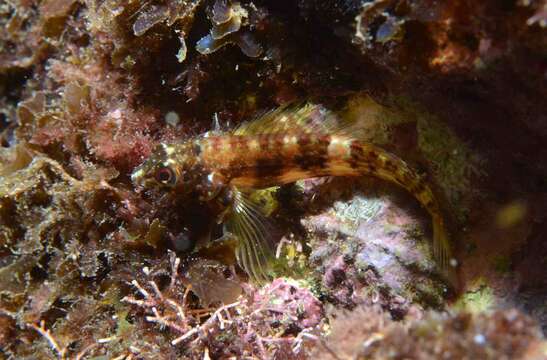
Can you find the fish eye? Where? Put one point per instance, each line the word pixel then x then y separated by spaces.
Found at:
pixel 165 175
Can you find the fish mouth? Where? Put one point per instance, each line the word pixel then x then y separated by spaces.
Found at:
pixel 137 176
pixel 140 180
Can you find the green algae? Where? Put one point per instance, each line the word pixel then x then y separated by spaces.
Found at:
pixel 478 298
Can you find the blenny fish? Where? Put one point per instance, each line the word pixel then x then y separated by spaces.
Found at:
pixel 282 146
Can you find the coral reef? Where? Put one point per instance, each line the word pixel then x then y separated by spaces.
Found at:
pixel 91 267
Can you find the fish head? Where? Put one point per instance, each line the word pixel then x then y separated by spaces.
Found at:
pixel 169 168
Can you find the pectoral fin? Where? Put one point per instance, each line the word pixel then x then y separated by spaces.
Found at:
pixel 252 229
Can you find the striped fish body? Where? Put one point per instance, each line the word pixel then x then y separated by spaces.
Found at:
pixel 280 148
pixel 262 161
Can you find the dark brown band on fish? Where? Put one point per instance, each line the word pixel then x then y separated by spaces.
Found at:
pixel 264 142
pixel 313 153
pixel 304 140
pixel 239 143
pixel 276 142
pixel 269 167
pixel 235 169
pixel 356 155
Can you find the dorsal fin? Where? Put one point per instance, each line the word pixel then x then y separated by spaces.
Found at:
pixel 304 118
